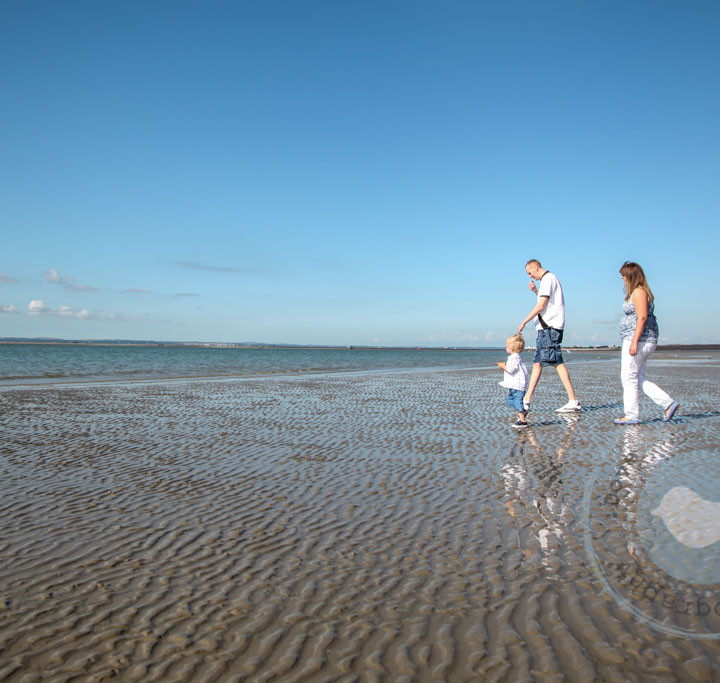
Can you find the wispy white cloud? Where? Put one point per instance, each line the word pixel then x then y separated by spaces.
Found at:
pixel 55 278
pixel 180 295
pixel 133 290
pixel 7 280
pixel 9 309
pixel 82 314
pixel 127 318
pixel 612 322
pixel 690 338
pixel 197 265
pixel 76 287
pixel 67 281
pixel 37 307
pixel 490 335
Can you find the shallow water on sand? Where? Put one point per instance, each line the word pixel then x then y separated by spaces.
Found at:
pixel 55 363
pixel 366 527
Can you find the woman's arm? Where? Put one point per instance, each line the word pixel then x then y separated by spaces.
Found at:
pixel 639 299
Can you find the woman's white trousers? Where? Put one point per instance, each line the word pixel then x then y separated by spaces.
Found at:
pixel 632 374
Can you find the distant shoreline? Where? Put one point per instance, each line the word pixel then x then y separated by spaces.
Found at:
pixel 352 347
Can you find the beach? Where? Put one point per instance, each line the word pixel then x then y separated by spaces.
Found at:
pixel 364 526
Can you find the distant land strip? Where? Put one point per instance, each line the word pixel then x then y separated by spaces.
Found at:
pixel 265 345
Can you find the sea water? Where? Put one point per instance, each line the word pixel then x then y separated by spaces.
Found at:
pixel 61 363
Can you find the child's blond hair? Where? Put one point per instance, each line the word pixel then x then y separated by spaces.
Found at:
pixel 516 343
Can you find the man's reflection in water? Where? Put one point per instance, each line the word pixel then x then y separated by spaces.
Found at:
pixel 533 480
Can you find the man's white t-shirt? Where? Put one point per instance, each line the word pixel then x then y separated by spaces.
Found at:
pixel 554 313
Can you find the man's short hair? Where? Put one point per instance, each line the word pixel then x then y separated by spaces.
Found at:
pixel 535 262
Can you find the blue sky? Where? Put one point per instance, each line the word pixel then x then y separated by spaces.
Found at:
pixel 355 172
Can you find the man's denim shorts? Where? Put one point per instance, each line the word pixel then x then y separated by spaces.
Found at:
pixel 547 347
pixel 515 399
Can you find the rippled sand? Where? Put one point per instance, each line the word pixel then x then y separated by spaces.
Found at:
pixel 332 528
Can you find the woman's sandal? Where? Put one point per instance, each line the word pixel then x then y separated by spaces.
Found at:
pixel 625 421
pixel 670 411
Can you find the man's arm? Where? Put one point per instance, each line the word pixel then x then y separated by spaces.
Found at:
pixel 538 308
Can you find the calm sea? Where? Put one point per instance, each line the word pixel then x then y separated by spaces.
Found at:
pixel 53 363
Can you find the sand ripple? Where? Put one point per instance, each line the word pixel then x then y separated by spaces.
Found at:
pixel 331 528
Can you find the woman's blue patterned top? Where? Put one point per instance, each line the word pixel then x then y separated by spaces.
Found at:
pixel 629 320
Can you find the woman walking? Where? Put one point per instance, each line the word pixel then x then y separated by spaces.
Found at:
pixel 639 334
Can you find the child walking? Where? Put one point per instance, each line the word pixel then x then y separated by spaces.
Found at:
pixel 515 377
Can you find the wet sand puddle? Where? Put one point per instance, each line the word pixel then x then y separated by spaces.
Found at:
pixel 374 527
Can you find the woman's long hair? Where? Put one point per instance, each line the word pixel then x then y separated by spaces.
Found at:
pixel 634 278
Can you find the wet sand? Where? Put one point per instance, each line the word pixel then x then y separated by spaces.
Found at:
pixel 332 528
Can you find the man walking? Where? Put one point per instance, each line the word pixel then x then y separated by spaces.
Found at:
pixel 550 323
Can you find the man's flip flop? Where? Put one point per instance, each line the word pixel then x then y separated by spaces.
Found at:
pixel 671 410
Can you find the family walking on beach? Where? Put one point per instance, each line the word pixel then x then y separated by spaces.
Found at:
pixel 638 331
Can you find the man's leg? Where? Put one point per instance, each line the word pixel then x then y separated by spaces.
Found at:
pixel 534 377
pixel 565 379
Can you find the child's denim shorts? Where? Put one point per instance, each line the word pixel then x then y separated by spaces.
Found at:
pixel 515 399
pixel 547 347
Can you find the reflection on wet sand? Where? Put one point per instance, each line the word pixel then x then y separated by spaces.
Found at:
pixel 534 475
pixel 652 539
pixel 373 527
